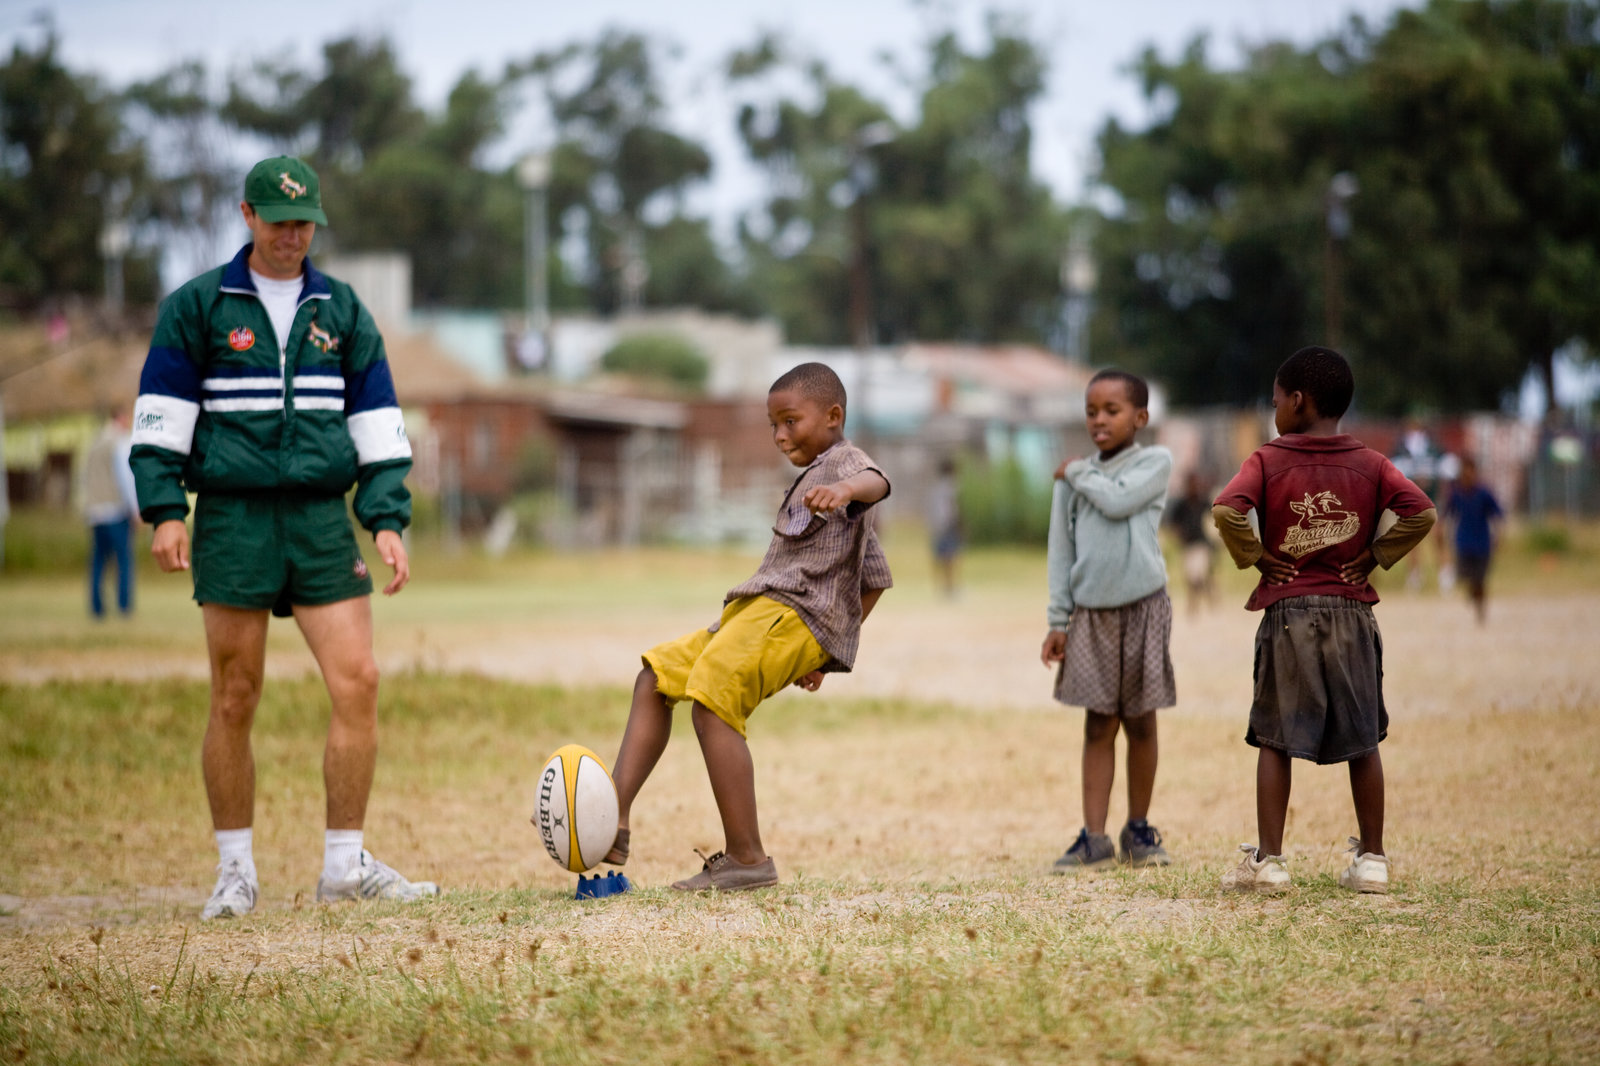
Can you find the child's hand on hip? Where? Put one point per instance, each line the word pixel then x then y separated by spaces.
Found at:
pixel 1355 572
pixel 1277 571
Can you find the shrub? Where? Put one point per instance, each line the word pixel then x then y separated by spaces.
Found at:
pixel 662 356
pixel 1000 504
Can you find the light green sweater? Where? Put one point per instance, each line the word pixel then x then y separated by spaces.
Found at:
pixel 1104 516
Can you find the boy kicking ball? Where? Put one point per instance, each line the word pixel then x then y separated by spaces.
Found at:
pixel 798 618
pixel 1319 495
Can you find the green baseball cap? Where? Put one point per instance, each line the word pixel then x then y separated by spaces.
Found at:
pixel 284 188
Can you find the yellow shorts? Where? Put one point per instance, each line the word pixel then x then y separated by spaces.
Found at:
pixel 759 648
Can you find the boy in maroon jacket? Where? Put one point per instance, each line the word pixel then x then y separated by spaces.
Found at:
pixel 1321 498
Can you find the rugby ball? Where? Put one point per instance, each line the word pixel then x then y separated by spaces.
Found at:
pixel 576 809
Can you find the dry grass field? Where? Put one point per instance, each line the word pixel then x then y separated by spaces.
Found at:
pixel 913 808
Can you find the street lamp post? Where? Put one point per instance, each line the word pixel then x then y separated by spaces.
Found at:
pixel 533 173
pixel 1341 187
pixel 1078 278
pixel 115 239
pixel 862 176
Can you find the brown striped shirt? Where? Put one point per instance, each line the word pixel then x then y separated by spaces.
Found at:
pixel 819 564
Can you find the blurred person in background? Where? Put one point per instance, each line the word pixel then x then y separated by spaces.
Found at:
pixel 1474 515
pixel 1431 469
pixel 1188 516
pixel 110 507
pixel 944 526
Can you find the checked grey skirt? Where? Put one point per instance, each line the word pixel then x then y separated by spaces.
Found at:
pixel 1117 659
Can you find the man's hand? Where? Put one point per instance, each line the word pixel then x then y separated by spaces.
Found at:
pixel 1061 471
pixel 393 551
pixel 1356 571
pixel 810 682
pixel 1277 571
pixel 170 545
pixel 1054 648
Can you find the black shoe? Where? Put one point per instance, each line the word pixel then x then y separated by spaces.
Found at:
pixel 1091 851
pixel 1141 845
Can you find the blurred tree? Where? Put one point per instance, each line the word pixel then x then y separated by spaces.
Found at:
pixel 664 357
pixel 620 178
pixel 65 171
pixel 195 180
pixel 1470 252
pixel 393 176
pixel 940 227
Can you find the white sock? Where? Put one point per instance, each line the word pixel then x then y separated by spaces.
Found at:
pixel 341 850
pixel 235 844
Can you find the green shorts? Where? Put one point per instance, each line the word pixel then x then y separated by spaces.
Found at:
pixel 271 550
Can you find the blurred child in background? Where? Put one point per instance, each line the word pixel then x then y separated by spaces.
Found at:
pixel 1474 512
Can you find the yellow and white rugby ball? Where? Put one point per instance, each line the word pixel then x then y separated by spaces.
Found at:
pixel 576 809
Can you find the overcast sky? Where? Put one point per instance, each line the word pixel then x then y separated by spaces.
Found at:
pixel 1088 43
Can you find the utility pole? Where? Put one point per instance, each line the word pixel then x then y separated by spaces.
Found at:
pixel 1341 187
pixel 862 177
pixel 533 350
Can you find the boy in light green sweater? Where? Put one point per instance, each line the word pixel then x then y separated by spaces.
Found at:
pixel 1110 618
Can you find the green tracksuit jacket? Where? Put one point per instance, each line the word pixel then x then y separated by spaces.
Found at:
pixel 220 411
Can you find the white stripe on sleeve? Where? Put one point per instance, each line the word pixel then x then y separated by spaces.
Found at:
pixel 379 435
pixel 165 421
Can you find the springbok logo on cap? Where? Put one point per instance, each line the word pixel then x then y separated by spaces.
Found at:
pixel 293 189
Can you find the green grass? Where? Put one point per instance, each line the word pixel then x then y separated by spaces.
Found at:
pixel 1011 972
pixel 916 922
pixel 917 944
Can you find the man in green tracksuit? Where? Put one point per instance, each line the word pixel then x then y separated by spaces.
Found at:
pixel 267 392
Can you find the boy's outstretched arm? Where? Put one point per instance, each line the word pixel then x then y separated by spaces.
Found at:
pixel 869 486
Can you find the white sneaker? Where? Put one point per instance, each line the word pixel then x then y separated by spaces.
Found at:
pixel 235 894
pixel 1257 873
pixel 1367 872
pixel 370 879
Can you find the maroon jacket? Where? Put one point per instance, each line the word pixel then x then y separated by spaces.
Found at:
pixel 1318 500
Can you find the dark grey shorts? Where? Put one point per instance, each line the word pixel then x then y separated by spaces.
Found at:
pixel 1472 569
pixel 1117 660
pixel 1319 680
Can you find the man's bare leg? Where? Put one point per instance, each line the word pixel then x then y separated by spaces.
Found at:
pixel 340 637
pixel 237 642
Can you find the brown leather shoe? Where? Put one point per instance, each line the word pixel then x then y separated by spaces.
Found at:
pixel 721 873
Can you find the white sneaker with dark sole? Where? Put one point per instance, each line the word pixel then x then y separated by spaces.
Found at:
pixel 1257 873
pixel 368 878
pixel 1367 872
pixel 235 894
